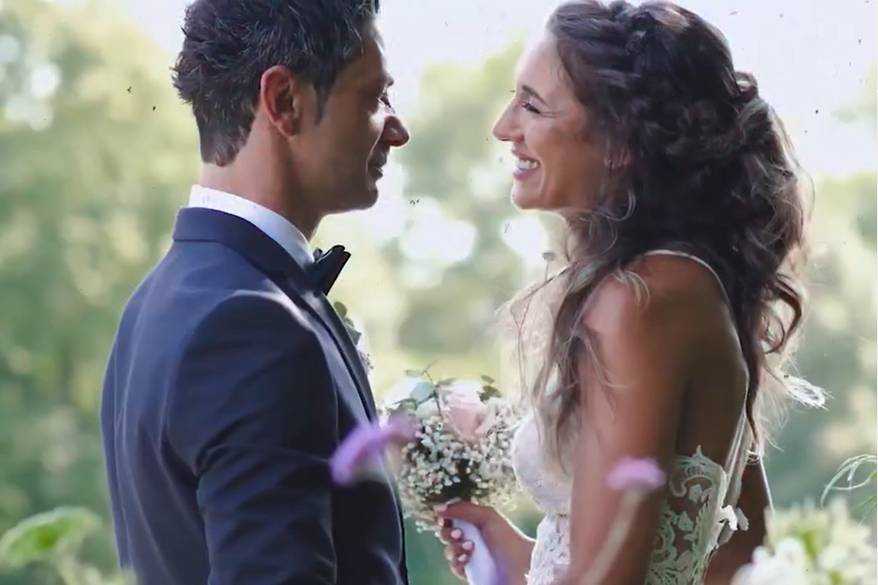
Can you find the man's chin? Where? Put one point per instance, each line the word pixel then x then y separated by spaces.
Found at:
pixel 369 197
pixel 357 200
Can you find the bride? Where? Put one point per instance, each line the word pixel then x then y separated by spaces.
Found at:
pixel 683 204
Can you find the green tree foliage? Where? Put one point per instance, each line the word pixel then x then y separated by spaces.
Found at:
pixel 837 349
pixel 95 155
pixel 54 539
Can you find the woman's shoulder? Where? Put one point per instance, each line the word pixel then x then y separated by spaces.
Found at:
pixel 663 294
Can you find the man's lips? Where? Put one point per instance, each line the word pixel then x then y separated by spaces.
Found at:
pixel 377 166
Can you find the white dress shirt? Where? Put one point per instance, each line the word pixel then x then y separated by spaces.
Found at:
pixel 272 224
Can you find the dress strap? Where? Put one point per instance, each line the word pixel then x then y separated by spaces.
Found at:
pixel 694 259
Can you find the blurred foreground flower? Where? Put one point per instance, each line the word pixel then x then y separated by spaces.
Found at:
pixel 637 474
pixel 363 450
pixel 636 479
pixel 807 545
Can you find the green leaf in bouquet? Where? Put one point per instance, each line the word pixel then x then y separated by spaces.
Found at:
pixel 44 536
pixel 405 404
pixel 487 379
pixel 423 391
pixel 425 373
pixel 489 391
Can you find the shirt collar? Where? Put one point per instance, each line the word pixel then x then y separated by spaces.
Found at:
pixel 274 225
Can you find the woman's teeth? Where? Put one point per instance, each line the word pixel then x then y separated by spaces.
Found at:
pixel 526 165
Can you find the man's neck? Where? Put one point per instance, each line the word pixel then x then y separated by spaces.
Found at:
pixel 263 191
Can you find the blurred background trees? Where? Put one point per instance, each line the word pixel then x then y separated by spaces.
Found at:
pixel 96 155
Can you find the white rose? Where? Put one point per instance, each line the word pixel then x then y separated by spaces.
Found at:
pixel 427 408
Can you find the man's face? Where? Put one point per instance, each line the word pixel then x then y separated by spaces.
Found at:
pixel 339 158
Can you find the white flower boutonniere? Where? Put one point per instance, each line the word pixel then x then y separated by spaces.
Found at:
pixel 355 335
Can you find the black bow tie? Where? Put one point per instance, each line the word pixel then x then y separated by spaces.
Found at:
pixel 327 266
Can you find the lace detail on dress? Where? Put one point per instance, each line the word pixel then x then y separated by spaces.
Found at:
pixel 551 555
pixel 548 488
pixel 694 519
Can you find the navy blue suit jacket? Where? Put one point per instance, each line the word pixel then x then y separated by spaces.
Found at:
pixel 230 384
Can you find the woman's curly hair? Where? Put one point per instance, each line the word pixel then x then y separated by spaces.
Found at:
pixel 696 159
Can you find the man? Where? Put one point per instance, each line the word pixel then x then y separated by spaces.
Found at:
pixel 231 380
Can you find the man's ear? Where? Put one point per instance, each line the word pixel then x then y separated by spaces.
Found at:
pixel 286 99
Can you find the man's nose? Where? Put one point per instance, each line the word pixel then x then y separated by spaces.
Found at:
pixel 395 132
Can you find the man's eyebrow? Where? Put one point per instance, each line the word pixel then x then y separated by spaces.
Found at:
pixel 384 81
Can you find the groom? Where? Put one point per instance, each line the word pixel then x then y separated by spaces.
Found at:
pixel 231 380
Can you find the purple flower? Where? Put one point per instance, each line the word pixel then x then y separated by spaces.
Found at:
pixel 365 446
pixel 638 474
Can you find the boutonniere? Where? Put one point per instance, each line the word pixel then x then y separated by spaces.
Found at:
pixel 355 334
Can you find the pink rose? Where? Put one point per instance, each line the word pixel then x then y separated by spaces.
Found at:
pixel 466 414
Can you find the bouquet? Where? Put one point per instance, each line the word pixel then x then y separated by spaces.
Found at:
pixel 461 451
pixel 462 447
pixel 455 439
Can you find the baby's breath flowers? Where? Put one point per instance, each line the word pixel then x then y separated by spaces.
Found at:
pixel 462 448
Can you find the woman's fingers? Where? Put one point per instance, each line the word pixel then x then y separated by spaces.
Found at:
pixel 457 550
pixel 458 571
pixel 448 533
pixel 458 554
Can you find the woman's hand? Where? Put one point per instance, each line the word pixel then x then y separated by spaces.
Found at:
pixel 510 549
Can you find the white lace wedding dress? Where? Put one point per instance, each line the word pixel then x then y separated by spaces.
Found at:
pixel 698 515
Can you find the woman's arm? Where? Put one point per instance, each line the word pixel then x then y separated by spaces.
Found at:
pixel 648 350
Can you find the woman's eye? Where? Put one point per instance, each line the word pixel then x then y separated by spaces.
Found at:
pixel 527 106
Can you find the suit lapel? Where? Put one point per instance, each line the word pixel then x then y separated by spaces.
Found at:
pixel 319 306
pixel 196 224
pixel 352 355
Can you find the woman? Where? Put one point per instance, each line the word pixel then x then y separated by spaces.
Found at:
pixel 684 210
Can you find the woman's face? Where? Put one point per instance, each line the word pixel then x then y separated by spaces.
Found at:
pixel 557 167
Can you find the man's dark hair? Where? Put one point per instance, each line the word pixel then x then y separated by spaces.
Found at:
pixel 229 44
